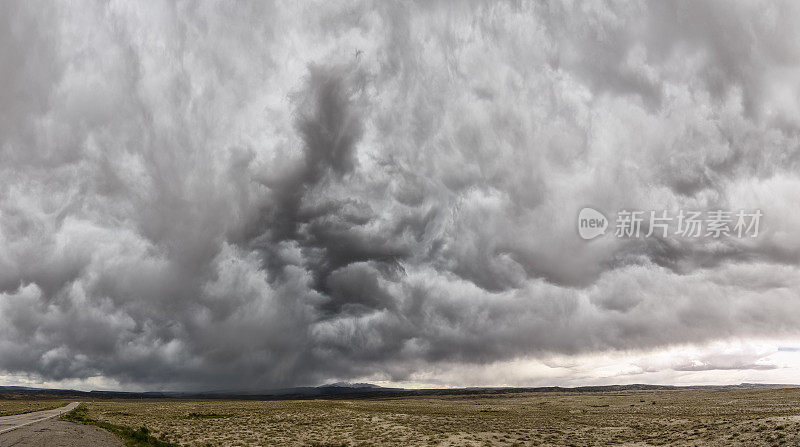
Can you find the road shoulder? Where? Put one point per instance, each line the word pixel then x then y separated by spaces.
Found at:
pixel 57 433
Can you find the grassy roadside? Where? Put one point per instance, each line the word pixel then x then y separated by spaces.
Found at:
pixel 25 411
pixel 132 438
pixel 27 408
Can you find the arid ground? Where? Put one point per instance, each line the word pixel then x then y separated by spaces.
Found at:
pixel 19 406
pixel 685 417
pixel 58 433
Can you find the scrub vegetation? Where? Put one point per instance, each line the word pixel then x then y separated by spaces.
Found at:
pixel 762 417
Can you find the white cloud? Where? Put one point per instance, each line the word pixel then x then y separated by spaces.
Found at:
pixel 283 193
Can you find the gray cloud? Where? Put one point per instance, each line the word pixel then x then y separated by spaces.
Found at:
pixel 202 195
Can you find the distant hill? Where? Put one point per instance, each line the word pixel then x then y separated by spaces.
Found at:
pixel 348 390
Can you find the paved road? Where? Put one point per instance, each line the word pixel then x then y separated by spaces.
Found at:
pixel 8 423
pixel 44 429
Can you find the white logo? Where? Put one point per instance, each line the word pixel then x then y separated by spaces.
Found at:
pixel 591 223
pixel 634 224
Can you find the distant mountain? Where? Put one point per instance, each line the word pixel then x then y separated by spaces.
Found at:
pixel 351 385
pixel 4 389
pixel 347 390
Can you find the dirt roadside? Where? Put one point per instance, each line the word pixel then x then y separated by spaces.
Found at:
pixel 57 433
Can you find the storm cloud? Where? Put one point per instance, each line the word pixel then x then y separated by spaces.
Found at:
pixel 199 195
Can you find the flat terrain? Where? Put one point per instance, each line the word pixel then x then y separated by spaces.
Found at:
pixel 769 417
pixel 17 406
pixel 43 428
pixel 58 433
pixel 12 422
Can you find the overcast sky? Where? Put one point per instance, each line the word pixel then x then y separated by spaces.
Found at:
pixel 202 195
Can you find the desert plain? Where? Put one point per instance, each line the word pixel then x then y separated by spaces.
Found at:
pixel 692 417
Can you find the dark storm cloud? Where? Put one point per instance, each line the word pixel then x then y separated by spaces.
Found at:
pixel 208 195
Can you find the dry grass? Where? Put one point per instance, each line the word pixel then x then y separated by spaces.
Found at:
pixel 698 418
pixel 17 406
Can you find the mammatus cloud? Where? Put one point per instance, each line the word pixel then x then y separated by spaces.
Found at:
pixel 255 195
